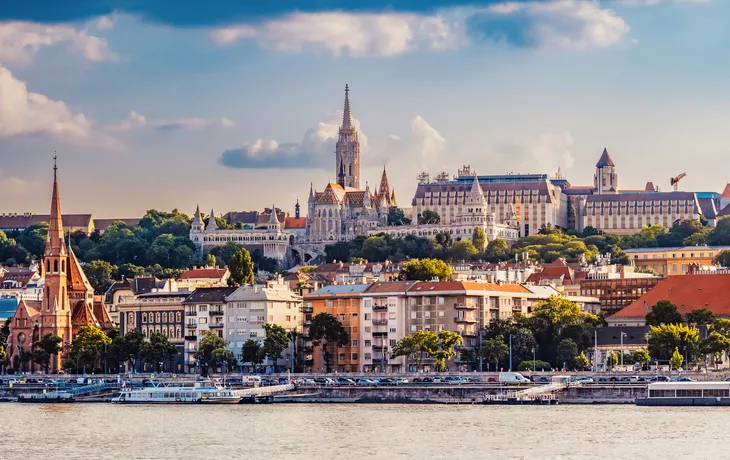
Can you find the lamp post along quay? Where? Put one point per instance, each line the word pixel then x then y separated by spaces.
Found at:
pixel 623 334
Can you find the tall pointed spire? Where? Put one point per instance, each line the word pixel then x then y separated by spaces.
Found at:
pixel 197 219
pixel 476 195
pixel 212 225
pixel 54 243
pixel 346 116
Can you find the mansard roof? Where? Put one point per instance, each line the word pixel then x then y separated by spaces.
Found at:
pixel 493 192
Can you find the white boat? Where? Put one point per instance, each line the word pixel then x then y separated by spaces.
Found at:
pixel 159 393
pixel 686 394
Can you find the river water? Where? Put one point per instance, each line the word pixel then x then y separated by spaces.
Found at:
pixel 364 431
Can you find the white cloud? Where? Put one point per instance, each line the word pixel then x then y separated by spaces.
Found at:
pixel 547 152
pixel 353 34
pixel 316 149
pixel 15 186
pixel 558 24
pixel 25 113
pixel 20 42
pixel 104 22
pixel 135 121
pixel 429 143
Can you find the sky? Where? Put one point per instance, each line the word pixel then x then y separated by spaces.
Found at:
pixel 235 105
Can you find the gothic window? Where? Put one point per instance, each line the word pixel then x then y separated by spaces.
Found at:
pixel 48 266
pixel 63 266
pixel 144 318
pixel 351 170
pixel 48 298
pixel 55 266
pixel 164 317
pixel 157 318
pixel 178 316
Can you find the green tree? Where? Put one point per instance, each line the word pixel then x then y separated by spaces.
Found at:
pixel 720 235
pixel 444 240
pixel 158 350
pixel 44 348
pixel 664 312
pixel 4 359
pixel 641 357
pixel 699 316
pixel 715 345
pixel 581 361
pixel 410 346
pixel 210 260
pixel 87 348
pixel 723 258
pixel 224 254
pixel 463 250
pixel 426 270
pixel 494 350
pixel 530 365
pixel 429 217
pixel 99 273
pixel 566 354
pixel 376 248
pixel 241 268
pixel 611 359
pixel 127 348
pixel 666 337
pixel 441 347
pixel 676 360
pixel 223 357
pixel 497 250
pixel 479 238
pixel 396 216
pixel 207 347
pixel 251 352
pixel 276 341
pixel 326 330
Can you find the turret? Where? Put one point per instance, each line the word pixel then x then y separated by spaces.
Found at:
pixel 212 225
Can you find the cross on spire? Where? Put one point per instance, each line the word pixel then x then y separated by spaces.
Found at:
pixel 55 166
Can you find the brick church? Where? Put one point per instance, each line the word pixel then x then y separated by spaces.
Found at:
pixel 68 298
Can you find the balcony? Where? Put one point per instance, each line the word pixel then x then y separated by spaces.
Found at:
pixel 215 325
pixel 308 349
pixel 380 334
pixel 380 348
pixel 380 307
pixel 191 350
pixel 465 320
pixel 191 337
pixel 462 306
pixel 216 312
pixel 308 310
pixel 308 322
pixel 380 322
pixel 191 313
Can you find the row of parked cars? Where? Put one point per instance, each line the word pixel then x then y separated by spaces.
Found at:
pixel 388 381
pixel 632 379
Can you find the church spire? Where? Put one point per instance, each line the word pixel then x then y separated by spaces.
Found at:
pixel 346 116
pixel 212 225
pixel 55 245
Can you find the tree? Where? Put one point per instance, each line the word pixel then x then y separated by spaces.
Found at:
pixel 723 258
pixel 664 312
pixel 127 348
pixel 251 352
pixel 99 273
pixel 720 235
pixel 611 359
pixel 210 260
pixel 157 350
pixel 494 350
pixel 479 238
pixel 276 341
pixel 44 348
pixel 441 347
pixel 463 250
pixel 223 357
pixel 429 217
pixel 676 360
pixel 241 268
pixel 666 337
pixel 581 361
pixel 640 357
pixel 4 359
pixel 410 345
pixel 566 354
pixel 497 250
pixel 444 240
pixel 715 345
pixel 699 316
pixel 224 254
pixel 396 216
pixel 326 330
pixel 530 365
pixel 426 270
pixel 87 348
pixel 208 345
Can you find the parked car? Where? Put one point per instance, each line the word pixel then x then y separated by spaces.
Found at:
pixel 473 380
pixel 512 378
pixel 452 380
pixel 438 380
pixel 308 382
pixel 584 380
pixel 492 380
pixel 426 380
pixel 686 379
pixel 324 381
pixel 661 378
pixel 542 379
pixel 400 381
pixel 344 381
pixel 386 381
pixel 366 382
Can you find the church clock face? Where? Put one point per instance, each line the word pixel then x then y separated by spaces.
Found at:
pixel 21 338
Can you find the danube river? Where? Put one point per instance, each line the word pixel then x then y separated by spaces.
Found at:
pixel 366 431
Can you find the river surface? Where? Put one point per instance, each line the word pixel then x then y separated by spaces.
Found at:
pixel 363 431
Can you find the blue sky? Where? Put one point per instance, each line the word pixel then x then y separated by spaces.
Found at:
pixel 142 99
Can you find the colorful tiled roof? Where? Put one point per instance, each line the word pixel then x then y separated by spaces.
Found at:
pixel 294 222
pixel 198 273
pixel 605 160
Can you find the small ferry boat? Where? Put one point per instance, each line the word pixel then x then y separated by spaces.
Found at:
pixel 159 393
pixel 686 394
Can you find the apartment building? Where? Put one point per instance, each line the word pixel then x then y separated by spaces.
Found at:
pixel 250 307
pixel 344 303
pixel 674 261
pixel 382 325
pixel 204 313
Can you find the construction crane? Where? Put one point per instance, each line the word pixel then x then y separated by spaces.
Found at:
pixel 674 181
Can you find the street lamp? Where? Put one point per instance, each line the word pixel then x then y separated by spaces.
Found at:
pixel 623 334
pixel 533 360
pixel 510 352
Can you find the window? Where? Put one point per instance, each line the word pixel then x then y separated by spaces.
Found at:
pixel 164 317
pixel 367 316
pixel 367 328
pixel 441 314
pixel 427 314
pixel 341 356
pixel 354 356
pixel 368 356
pixel 392 342
pixel 254 333
pixel 440 300
pixel 329 304
pixel 178 317
pixel 368 343
pixel 392 330
pixel 414 315
pixel 203 308
pixel 413 328
pixel 288 317
pixel 203 321
pixel 354 316
pixel 342 317
pixel 144 318
pixel 354 343
pixel 391 315
pixel 158 318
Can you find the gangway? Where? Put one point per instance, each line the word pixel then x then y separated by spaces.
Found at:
pixel 264 391
pixel 543 394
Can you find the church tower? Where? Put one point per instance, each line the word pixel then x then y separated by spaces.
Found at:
pixel 55 314
pixel 347 151
pixel 606 178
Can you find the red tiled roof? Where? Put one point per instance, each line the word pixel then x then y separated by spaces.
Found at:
pixel 726 192
pixel 198 273
pixel 552 272
pixel 390 287
pixel 687 292
pixel 293 222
